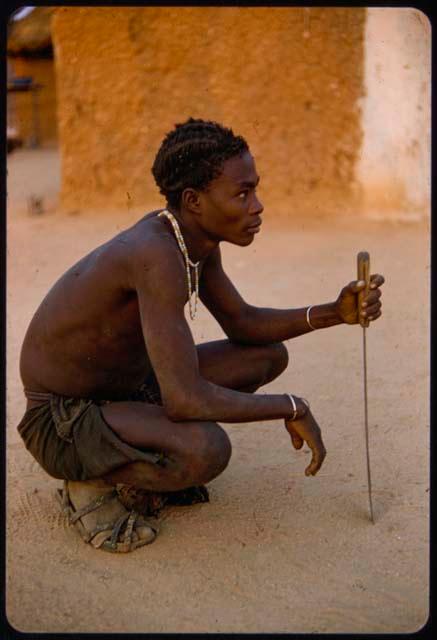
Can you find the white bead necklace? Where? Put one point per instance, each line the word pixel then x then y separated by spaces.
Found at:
pixel 188 262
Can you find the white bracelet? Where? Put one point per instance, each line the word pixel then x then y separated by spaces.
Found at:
pixel 308 318
pixel 293 402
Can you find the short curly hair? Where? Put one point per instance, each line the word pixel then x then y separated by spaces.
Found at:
pixel 192 155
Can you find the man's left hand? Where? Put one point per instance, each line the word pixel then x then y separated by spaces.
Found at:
pixel 346 304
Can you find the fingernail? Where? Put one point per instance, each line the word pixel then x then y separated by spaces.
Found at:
pixel 364 304
pixel 364 314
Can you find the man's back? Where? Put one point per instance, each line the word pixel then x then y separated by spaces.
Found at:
pixel 85 338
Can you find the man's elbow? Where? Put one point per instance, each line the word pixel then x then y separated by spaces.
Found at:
pixel 177 412
pixel 182 406
pixel 239 329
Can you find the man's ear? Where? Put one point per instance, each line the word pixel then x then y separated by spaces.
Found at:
pixel 190 200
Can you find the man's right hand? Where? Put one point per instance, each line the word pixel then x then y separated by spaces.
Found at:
pixel 307 430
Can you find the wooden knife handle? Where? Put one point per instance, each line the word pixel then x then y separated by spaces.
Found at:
pixel 363 268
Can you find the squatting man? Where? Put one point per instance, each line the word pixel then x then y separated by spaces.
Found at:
pixel 121 403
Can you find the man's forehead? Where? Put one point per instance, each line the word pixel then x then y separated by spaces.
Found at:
pixel 238 170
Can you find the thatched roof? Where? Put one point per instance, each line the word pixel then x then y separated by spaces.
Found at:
pixel 31 36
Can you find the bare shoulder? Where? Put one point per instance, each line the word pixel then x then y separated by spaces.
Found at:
pixel 154 256
pixel 124 261
pixel 151 244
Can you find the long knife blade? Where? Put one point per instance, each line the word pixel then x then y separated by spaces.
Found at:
pixel 366 426
pixel 363 263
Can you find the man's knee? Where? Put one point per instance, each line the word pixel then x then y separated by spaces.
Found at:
pixel 204 454
pixel 279 359
pixel 211 452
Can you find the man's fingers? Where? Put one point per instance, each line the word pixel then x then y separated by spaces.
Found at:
pixel 371 305
pixel 371 309
pixel 373 296
pixel 319 455
pixel 356 286
pixel 376 280
pixel 296 440
pixel 375 315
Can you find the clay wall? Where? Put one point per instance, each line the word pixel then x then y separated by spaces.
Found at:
pixel 288 79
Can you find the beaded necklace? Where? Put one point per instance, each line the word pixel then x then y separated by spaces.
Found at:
pixel 188 262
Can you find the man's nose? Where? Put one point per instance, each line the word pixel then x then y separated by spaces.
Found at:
pixel 257 206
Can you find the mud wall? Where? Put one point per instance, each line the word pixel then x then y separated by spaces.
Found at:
pixel 20 109
pixel 288 79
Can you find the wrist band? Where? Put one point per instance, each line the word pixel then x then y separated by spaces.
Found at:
pixel 293 402
pixel 308 318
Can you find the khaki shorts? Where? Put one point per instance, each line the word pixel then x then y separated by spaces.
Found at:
pixel 70 439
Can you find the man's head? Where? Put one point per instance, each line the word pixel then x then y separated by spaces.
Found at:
pixel 192 155
pixel 203 167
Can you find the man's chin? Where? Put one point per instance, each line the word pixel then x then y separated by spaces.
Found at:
pixel 243 241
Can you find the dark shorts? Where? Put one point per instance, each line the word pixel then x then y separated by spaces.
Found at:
pixel 70 439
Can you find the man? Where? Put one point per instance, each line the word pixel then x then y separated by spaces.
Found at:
pixel 118 394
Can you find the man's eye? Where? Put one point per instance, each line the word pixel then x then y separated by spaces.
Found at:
pixel 242 195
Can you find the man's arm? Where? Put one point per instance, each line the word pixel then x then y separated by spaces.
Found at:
pixel 160 281
pixel 159 278
pixel 254 325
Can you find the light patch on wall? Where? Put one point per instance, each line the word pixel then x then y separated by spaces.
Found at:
pixel 394 167
pixel 22 13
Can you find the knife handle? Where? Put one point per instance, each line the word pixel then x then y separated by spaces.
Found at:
pixel 363 268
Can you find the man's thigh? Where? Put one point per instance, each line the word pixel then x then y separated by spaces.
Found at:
pixel 146 426
pixel 222 362
pixel 193 452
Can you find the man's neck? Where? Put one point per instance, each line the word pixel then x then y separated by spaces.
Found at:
pixel 199 244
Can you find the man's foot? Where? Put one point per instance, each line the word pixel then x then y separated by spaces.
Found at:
pixel 189 496
pixel 150 503
pixel 101 519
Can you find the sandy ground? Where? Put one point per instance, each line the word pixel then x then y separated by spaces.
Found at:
pixel 273 551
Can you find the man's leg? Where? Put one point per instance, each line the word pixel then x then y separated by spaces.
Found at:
pixel 241 367
pixel 193 452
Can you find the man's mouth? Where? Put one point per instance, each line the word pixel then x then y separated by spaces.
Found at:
pixel 254 228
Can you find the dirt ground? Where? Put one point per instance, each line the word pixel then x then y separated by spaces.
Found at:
pixel 274 551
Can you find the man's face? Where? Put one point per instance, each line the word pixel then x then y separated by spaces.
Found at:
pixel 230 209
